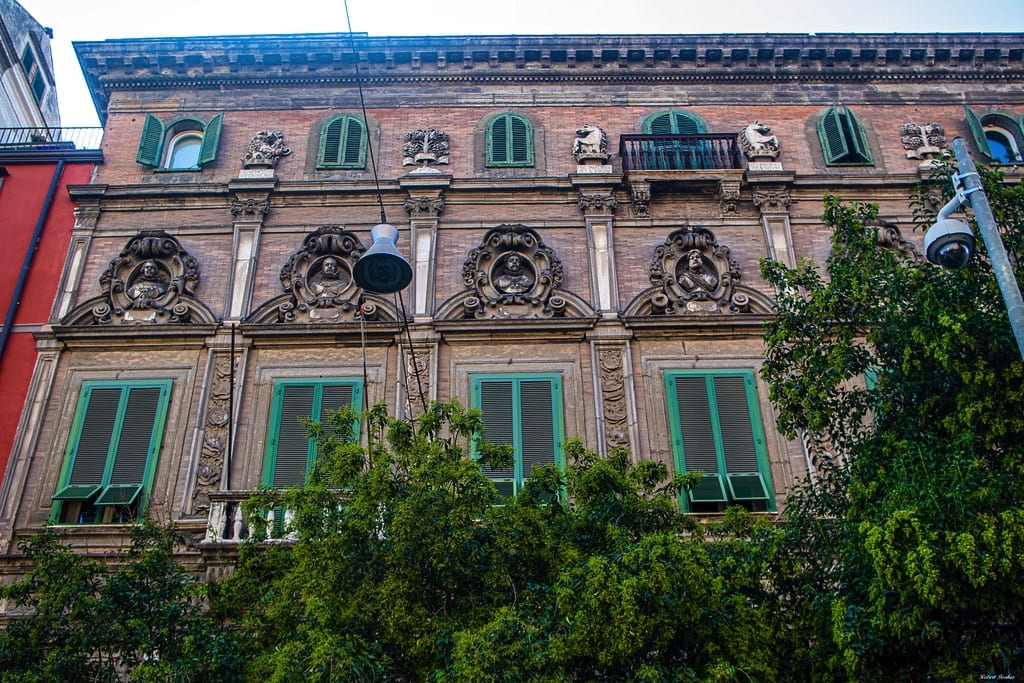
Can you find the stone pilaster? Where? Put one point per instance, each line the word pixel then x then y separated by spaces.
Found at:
pixel 250 203
pixel 417 384
pixel 615 402
pixel 770 191
pixel 87 215
pixel 209 465
pixel 598 202
pixel 424 203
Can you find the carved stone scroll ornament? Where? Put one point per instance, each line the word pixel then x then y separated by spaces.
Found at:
pixel 772 201
pixel 151 281
pixel 265 149
pixel 757 143
pixel 511 275
pixel 693 273
pixel 256 208
pixel 425 147
pixel 215 434
pixel 598 203
pixel 890 237
pixel 923 140
pixel 613 396
pixel 591 143
pixel 318 284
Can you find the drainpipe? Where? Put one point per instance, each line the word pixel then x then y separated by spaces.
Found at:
pixel 29 255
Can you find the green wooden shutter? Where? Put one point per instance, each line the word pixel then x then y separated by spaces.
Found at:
pixel 134 443
pixel 698 437
pixel 498 140
pixel 521 146
pixel 743 474
pixel 330 142
pixel 833 142
pixel 686 125
pixel 152 141
pixel 978 133
pixel 211 138
pixel 354 148
pixel 291 449
pixel 92 446
pixel 496 404
pixel 334 397
pixel 536 398
pixel 861 151
pixel 661 124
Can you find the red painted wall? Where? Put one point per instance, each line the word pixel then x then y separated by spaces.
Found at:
pixel 22 196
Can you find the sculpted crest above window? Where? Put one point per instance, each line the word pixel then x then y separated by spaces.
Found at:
pixel 318 284
pixel 693 273
pixel 152 280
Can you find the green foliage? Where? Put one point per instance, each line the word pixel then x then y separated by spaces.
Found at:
pixel 136 618
pixel 407 565
pixel 905 559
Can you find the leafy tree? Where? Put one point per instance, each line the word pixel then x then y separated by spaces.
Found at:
pixel 904 559
pixel 137 617
pixel 408 566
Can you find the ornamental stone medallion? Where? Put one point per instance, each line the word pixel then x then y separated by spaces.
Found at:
pixel 512 274
pixel 151 281
pixel 318 284
pixel 693 273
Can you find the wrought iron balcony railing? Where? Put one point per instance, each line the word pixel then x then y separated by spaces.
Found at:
pixel 700 151
pixel 49 139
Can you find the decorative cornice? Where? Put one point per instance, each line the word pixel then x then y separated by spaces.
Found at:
pixel 328 59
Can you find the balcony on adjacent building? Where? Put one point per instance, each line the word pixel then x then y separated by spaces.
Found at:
pixel 682 160
pixel 78 144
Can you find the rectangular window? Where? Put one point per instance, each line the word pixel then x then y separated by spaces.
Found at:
pixel 716 429
pixel 33 74
pixel 525 412
pixel 112 452
pixel 291 453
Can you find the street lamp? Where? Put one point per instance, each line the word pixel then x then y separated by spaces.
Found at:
pixel 949 243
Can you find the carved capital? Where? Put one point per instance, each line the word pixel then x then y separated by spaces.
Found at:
pixel 772 200
pixel 254 208
pixel 599 203
pixel 728 195
pixel 640 193
pixel 86 216
pixel 425 206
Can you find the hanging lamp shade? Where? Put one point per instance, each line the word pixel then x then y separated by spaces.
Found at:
pixel 382 269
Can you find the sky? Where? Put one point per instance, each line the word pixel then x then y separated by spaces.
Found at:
pixel 88 20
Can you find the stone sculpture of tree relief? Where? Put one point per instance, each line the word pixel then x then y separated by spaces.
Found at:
pixel 512 274
pixel 318 284
pixel 613 396
pixel 215 434
pixel 152 280
pixel 425 147
pixel 265 149
pixel 693 273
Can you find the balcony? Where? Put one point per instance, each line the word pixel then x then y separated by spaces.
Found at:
pixel 35 144
pixel 682 160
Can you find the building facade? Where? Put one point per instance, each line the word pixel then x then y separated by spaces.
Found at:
pixel 28 96
pixel 584 217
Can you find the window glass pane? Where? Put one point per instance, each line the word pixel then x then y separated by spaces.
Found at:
pixel 1000 146
pixel 184 152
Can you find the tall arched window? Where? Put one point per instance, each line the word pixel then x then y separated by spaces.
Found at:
pixel 509 141
pixel 673 123
pixel 843 142
pixel 997 136
pixel 185 144
pixel 343 143
pixel 676 152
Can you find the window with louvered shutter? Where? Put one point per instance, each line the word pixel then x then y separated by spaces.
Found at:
pixel 113 448
pixel 290 450
pixel 509 141
pixel 716 429
pixel 523 411
pixel 843 141
pixel 343 143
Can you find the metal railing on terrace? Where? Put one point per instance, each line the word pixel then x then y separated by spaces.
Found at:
pixel 699 151
pixel 49 139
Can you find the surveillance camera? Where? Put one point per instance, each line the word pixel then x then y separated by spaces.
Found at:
pixel 949 243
